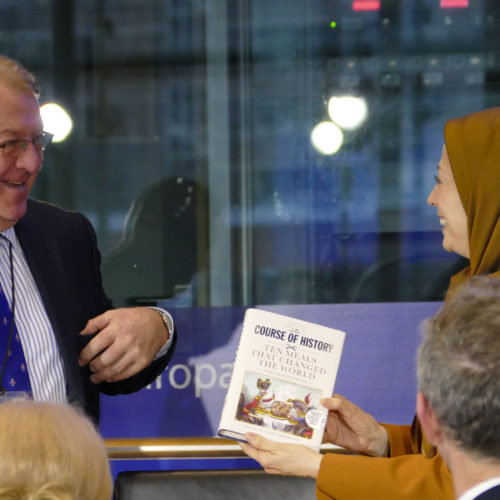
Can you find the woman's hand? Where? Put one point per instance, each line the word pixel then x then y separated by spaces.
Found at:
pixel 351 427
pixel 282 458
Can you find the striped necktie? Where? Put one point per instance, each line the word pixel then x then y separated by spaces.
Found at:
pixel 14 373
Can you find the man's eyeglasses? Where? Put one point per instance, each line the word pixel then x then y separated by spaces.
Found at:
pixel 16 147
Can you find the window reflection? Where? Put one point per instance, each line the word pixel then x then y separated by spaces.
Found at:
pixel 226 95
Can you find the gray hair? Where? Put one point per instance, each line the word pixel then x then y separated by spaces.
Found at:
pixel 458 366
pixel 14 75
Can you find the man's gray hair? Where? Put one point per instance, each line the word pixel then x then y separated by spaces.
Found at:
pixel 14 75
pixel 458 366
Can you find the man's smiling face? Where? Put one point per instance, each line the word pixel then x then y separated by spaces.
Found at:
pixel 19 119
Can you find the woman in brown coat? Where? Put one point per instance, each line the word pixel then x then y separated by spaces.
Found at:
pixel 395 461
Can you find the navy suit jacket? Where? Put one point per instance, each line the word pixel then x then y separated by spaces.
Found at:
pixel 491 494
pixel 61 250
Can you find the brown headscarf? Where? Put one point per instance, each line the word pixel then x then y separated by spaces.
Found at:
pixel 473 145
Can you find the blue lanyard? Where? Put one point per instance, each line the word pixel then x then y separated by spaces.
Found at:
pixel 11 330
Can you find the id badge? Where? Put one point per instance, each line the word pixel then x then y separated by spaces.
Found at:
pixel 10 395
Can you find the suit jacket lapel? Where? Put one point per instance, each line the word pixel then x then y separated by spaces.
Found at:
pixel 42 252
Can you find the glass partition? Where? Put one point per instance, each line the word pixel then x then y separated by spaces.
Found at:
pixel 196 151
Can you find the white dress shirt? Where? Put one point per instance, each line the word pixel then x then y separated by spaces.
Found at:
pixel 45 365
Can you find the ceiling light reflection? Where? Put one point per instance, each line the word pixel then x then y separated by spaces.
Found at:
pixel 327 138
pixel 348 112
pixel 56 121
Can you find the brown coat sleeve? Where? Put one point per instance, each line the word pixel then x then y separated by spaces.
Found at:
pixel 405 475
pixel 400 440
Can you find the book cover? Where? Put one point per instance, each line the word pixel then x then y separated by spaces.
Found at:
pixel 282 369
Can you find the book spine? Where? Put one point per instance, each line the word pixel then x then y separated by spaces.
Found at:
pixel 240 341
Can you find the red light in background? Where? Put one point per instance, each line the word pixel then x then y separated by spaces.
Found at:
pixel 366 5
pixel 454 4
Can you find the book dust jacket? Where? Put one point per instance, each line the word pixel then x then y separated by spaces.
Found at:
pixel 283 368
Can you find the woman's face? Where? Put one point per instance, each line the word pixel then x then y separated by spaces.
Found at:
pixel 451 213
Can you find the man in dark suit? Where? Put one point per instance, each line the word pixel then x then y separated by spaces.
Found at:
pixel 458 403
pixel 75 344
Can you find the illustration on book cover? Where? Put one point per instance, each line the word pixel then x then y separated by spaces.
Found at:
pixel 278 404
pixel 283 367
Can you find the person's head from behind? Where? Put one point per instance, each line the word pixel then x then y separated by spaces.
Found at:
pixel 51 452
pixel 458 368
pixel 22 140
pixel 467 187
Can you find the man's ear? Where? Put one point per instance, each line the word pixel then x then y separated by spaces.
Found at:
pixel 430 424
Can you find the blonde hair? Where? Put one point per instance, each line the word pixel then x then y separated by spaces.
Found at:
pixel 51 452
pixel 15 76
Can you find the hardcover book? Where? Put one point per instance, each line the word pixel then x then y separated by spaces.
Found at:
pixel 282 369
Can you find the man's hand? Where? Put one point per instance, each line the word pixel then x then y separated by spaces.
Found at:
pixel 127 341
pixel 282 458
pixel 351 427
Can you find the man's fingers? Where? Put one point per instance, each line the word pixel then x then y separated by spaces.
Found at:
pixel 111 354
pixel 95 324
pixel 112 372
pixel 125 341
pixel 96 346
pixel 111 363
